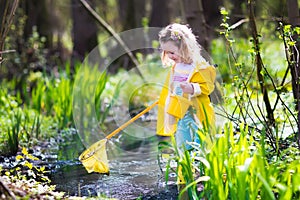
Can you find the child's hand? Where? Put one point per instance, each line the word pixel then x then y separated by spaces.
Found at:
pixel 187 88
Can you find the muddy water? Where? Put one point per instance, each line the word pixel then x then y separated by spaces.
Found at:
pixel 134 173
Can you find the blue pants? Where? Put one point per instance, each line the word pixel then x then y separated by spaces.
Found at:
pixel 186 128
pixel 186 131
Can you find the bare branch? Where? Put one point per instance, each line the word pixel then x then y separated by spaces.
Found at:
pixel 111 31
pixel 259 66
pixel 239 23
pixel 7 20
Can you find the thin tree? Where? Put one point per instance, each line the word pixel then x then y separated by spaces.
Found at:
pixel 259 65
pixel 203 16
pixel 294 20
pixel 7 14
pixel 85 30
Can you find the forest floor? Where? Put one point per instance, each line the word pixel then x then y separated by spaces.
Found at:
pixel 170 194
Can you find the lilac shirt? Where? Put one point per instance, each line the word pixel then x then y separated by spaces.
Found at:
pixel 181 74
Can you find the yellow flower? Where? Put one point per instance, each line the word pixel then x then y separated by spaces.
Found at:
pixel 19 157
pixel 224 177
pixel 42 169
pixel 32 157
pixel 24 151
pixel 28 164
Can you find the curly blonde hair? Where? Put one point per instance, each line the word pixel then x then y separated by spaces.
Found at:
pixel 183 38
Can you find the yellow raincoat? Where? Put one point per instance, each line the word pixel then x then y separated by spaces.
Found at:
pixel 204 75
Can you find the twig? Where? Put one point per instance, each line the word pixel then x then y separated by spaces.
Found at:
pixel 6 191
pixel 5 27
pixel 259 66
pixel 7 51
pixel 239 23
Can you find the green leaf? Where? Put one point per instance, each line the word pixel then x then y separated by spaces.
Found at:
pixel 266 186
pixel 223 11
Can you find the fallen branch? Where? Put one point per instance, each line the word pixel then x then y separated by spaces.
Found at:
pixel 6 191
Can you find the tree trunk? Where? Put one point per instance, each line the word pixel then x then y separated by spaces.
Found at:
pixel 131 13
pixel 260 67
pixel 294 20
pixel 160 14
pixel 39 15
pixel 84 30
pixel 195 18
pixel 202 15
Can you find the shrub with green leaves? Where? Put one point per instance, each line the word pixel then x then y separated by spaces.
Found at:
pixel 20 126
pixel 236 166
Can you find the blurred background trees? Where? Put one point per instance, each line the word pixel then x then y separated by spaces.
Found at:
pixel 67 30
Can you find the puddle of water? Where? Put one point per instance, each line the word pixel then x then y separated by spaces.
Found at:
pixel 133 173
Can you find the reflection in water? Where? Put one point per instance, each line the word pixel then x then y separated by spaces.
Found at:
pixel 133 173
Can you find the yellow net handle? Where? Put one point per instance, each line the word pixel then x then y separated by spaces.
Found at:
pixel 131 120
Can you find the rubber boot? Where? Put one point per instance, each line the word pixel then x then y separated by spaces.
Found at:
pixel 181 184
pixel 185 195
pixel 180 178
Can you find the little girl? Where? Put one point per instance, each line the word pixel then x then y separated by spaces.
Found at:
pixel 190 77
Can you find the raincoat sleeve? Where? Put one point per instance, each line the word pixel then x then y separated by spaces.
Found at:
pixel 204 77
pixel 203 81
pixel 162 117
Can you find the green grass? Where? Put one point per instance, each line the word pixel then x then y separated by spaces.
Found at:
pixel 237 166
